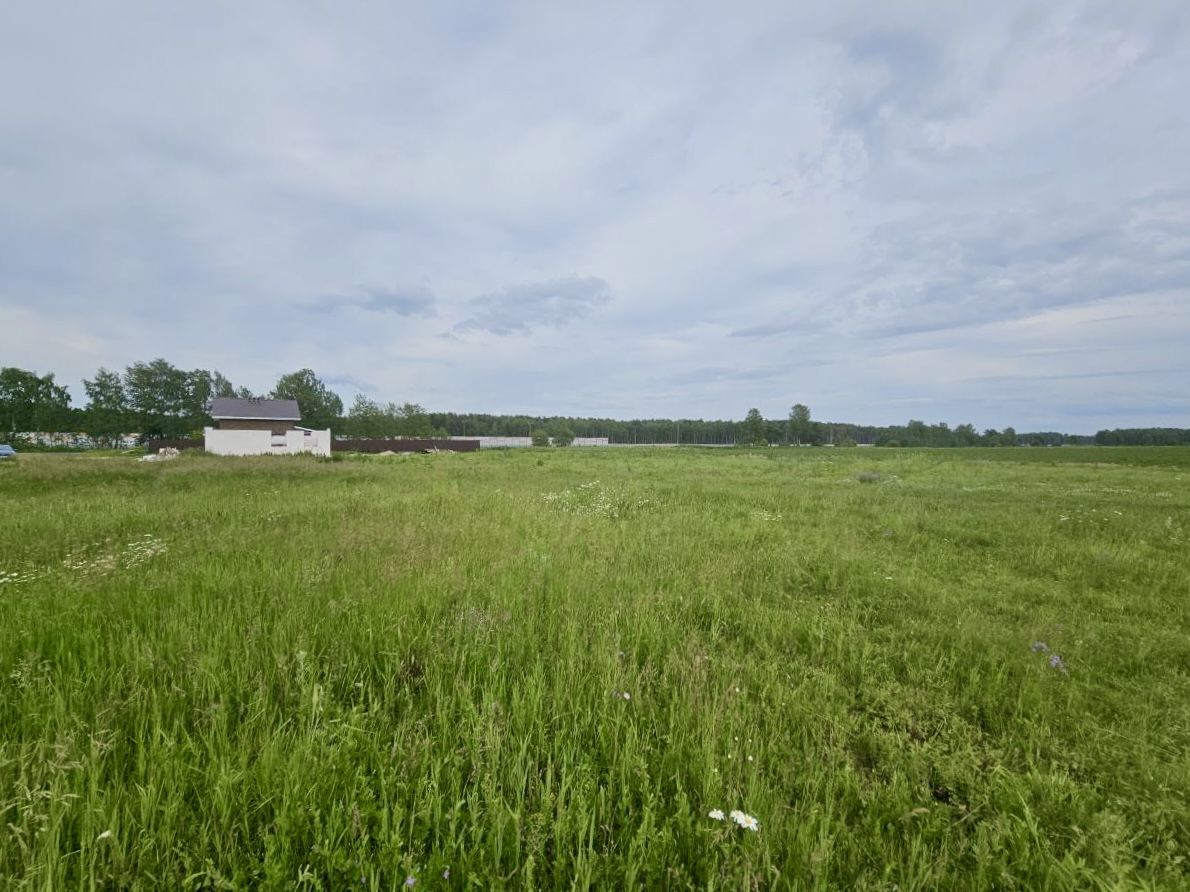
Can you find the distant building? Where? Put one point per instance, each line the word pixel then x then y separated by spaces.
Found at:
pixel 261 427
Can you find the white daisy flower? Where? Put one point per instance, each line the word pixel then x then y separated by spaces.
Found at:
pixel 749 823
pixel 715 814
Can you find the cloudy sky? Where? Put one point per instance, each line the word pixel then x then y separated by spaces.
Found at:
pixel 954 212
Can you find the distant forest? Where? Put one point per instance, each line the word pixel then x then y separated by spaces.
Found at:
pixel 159 400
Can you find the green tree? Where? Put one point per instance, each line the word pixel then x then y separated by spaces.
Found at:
pixel 220 386
pixel 917 433
pixel 158 397
pixel 540 438
pixel 201 387
pixel 31 402
pixel 752 430
pixel 799 428
pixel 107 414
pixel 320 406
pixel 413 421
pixel 365 419
pixel 561 435
pixel 1008 437
pixel 966 435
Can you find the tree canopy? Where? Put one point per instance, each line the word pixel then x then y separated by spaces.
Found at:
pixel 752 431
pixel 31 402
pixel 319 405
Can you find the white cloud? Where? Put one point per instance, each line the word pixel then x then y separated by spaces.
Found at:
pixel 884 205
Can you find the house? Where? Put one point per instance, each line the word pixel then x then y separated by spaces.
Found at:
pixel 258 426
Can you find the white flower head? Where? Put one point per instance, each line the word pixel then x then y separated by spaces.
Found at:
pixel 748 822
pixel 715 814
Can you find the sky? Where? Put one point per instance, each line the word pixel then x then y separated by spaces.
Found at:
pixel 943 211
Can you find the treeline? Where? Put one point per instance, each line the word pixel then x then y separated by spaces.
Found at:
pixel 156 399
pixel 729 433
pixel 370 420
pixel 1144 436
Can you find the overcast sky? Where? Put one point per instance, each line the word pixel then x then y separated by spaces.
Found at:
pixel 950 211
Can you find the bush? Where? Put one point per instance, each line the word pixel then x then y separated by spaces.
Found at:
pixel 541 438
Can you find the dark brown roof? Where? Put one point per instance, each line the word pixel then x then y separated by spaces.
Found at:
pixel 256 409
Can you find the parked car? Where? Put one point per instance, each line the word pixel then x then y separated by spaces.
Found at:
pixel 7 451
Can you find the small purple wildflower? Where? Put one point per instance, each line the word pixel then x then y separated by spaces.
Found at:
pixel 410 882
pixel 1056 663
pixel 446 874
pixel 1040 647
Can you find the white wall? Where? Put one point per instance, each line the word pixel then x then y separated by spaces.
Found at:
pixel 294 442
pixel 317 442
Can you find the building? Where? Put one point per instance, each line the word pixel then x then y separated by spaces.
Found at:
pixel 258 426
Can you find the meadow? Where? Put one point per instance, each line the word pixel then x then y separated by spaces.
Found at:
pixel 546 669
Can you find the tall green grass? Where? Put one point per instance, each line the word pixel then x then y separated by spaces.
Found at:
pixel 287 673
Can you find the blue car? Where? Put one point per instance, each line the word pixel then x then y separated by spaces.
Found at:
pixel 7 451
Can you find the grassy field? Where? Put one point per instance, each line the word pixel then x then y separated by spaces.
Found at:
pixel 917 670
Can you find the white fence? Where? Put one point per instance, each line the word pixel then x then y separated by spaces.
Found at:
pixel 294 442
pixel 74 439
pixel 519 442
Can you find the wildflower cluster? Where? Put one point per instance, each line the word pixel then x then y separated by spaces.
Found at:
pixel 1055 660
pixel 18 577
pixel 99 559
pixel 1081 515
pixel 30 672
pixel 595 500
pixel 768 516
pixel 742 819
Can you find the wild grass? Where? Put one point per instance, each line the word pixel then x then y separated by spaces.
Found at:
pixel 545 669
